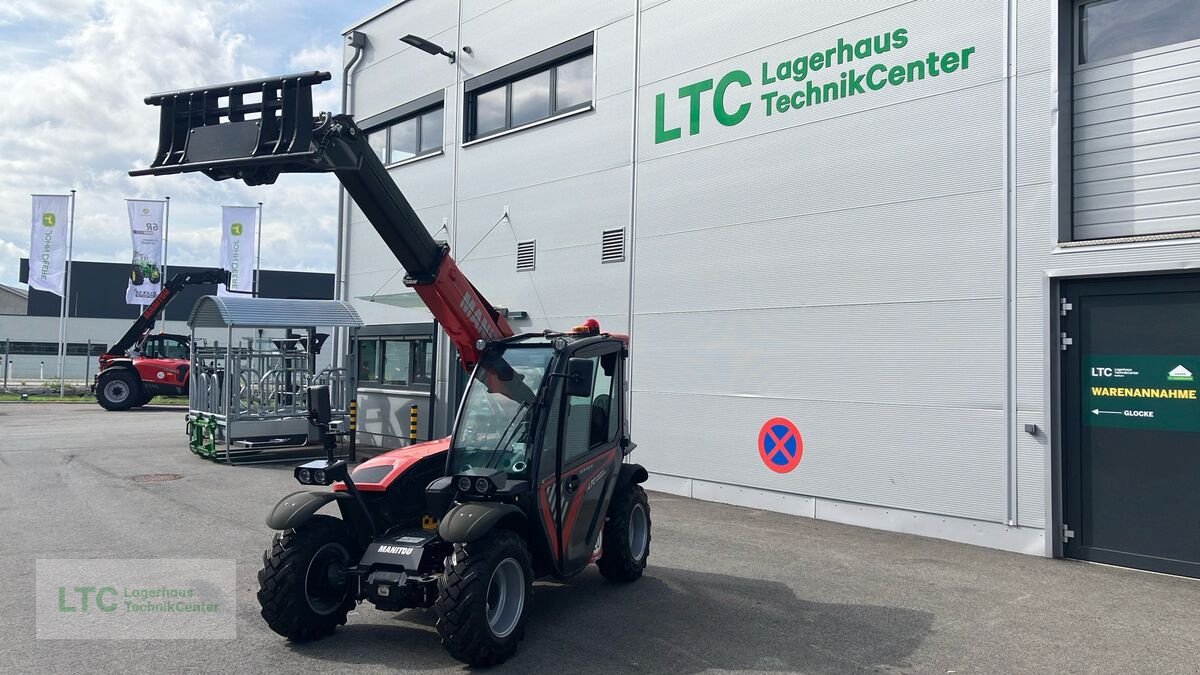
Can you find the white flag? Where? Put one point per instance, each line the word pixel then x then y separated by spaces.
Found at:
pixel 237 247
pixel 145 228
pixel 48 243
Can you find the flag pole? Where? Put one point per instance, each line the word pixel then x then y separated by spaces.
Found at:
pixel 162 280
pixel 257 249
pixel 66 302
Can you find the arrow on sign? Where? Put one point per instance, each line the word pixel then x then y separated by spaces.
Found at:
pixel 1107 412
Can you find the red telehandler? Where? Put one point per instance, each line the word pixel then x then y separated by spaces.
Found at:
pixel 140 365
pixel 531 483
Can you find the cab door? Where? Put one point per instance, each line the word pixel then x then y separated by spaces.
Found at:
pixel 580 455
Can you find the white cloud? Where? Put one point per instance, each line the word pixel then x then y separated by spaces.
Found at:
pixel 74 118
pixel 20 11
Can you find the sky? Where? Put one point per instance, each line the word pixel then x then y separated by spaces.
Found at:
pixel 73 74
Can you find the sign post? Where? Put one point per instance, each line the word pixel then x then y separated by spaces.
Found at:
pixel 166 225
pixel 65 302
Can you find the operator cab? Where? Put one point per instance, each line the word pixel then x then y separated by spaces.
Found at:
pixel 165 346
pixel 544 413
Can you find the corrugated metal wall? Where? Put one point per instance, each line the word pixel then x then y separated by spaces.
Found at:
pixel 841 265
pixel 1137 144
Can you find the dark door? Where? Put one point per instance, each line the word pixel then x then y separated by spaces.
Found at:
pixel 578 472
pixel 1131 462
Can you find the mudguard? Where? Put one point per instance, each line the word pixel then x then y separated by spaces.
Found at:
pixel 470 521
pixel 294 509
pixel 631 473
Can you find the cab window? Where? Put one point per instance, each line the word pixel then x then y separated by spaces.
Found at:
pixel 174 349
pixel 590 423
pixel 164 348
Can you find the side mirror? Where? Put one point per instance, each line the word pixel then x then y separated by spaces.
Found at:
pixel 319 410
pixel 580 373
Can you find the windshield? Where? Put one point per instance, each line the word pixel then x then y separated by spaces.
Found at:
pixel 495 427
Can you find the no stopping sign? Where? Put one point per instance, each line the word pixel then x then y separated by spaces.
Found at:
pixel 780 445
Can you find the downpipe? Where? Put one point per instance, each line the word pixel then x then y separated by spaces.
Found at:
pixel 357 41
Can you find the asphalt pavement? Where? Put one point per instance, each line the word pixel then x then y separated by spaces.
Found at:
pixel 728 589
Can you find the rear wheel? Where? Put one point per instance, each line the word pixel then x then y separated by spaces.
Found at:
pixel 483 598
pixel 626 535
pixel 118 390
pixel 303 588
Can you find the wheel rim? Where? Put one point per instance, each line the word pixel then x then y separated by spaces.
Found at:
pixel 638 532
pixel 116 391
pixel 324 583
pixel 505 597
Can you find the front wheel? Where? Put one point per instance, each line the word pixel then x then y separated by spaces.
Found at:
pixel 483 598
pixel 118 390
pixel 626 535
pixel 303 588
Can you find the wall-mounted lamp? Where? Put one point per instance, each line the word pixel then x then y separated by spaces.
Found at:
pixel 427 46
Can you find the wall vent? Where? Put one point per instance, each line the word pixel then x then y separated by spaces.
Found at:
pixel 526 255
pixel 612 246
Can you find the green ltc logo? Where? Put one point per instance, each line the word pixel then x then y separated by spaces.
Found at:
pixel 48 219
pixel 235 229
pixel 1180 374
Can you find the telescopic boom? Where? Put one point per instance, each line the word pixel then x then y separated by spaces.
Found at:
pixel 149 316
pixel 255 130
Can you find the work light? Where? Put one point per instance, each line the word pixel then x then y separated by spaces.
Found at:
pixel 322 472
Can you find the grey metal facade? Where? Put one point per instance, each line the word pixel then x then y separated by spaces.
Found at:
pixel 880 268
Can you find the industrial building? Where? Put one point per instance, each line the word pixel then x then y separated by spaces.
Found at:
pixel 98 316
pixel 927 266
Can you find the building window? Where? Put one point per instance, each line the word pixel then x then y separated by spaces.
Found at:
pixel 368 360
pixel 1112 28
pixel 51 348
pixel 395 362
pixel 1130 79
pixel 407 131
pixel 550 83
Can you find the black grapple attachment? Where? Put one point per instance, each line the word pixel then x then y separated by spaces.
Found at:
pixel 252 130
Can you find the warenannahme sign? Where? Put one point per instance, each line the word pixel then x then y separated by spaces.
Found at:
pixel 847 68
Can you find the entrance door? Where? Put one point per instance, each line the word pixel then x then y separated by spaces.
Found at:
pixel 1131 461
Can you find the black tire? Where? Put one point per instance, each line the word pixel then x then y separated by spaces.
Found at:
pixel 300 602
pixel 469 592
pixel 626 535
pixel 143 400
pixel 118 390
pixel 136 277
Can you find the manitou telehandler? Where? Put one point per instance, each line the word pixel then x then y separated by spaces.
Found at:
pixel 142 365
pixel 532 481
